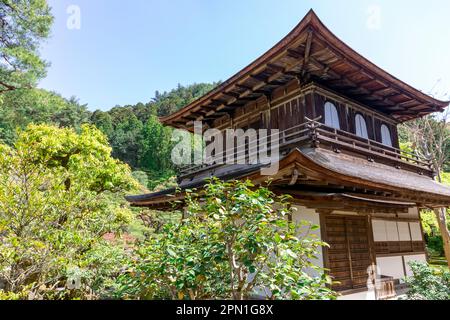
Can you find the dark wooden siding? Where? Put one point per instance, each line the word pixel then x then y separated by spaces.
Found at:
pixel 394 135
pixel 298 111
pixel 293 112
pixel 309 106
pixel 369 125
pixel 351 120
pixel 319 105
pixel 349 254
pixel 377 122
pixel 286 115
pixel 342 112
pixel 274 119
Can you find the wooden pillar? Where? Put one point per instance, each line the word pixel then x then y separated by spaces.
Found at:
pixel 442 222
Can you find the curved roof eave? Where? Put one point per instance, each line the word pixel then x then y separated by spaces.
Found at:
pixel 311 20
pixel 325 165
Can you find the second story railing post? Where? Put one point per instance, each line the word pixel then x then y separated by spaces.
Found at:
pixel 312 125
pixel 313 133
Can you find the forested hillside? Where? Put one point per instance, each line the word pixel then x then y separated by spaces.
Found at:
pixel 134 131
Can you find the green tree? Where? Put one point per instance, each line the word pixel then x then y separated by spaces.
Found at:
pixel 156 148
pixel 60 192
pixel 430 138
pixel 23 25
pixel 172 101
pixel 136 135
pixel 144 111
pixel 71 115
pixel 236 241
pixel 103 121
pixel 427 283
pixel 141 177
pixel 127 136
pixel 21 107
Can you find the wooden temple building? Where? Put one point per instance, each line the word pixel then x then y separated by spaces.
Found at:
pixel 337 114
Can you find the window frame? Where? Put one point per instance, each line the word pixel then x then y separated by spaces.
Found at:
pixel 360 115
pixel 384 137
pixel 332 121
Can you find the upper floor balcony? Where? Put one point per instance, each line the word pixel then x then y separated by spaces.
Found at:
pixel 314 134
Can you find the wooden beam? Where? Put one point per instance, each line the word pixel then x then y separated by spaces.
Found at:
pixel 258 79
pixel 308 45
pixel 381 91
pixel 295 53
pixel 275 67
pixel 232 94
pixel 243 86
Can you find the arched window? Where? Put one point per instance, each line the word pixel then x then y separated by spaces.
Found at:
pixel 361 127
pixel 331 116
pixel 386 135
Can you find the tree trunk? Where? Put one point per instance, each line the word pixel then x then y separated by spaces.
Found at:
pixel 442 222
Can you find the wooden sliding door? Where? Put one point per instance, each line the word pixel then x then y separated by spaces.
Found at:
pixel 348 257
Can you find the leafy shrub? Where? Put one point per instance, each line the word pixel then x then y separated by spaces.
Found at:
pixel 235 240
pixel 428 283
pixel 141 177
pixel 60 192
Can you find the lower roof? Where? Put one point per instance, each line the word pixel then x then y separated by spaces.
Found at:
pixel 323 165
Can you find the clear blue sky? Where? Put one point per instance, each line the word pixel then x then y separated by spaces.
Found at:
pixel 125 50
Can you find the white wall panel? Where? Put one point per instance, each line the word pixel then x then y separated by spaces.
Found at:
pixel 403 231
pixel 379 230
pixel 392 231
pixel 416 231
pixel 390 266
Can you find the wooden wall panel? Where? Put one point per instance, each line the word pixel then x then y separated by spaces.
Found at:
pixel 394 135
pixel 309 106
pixel 349 253
pixel 369 124
pixel 351 120
pixel 320 107
pixel 301 102
pixel 284 116
pixel 295 115
pixel 343 120
pixel 274 118
pixel 288 113
pixel 377 123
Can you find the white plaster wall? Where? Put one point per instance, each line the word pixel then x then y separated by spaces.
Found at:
pixel 390 266
pixel 302 213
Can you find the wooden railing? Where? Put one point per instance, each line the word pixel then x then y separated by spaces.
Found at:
pixel 314 133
